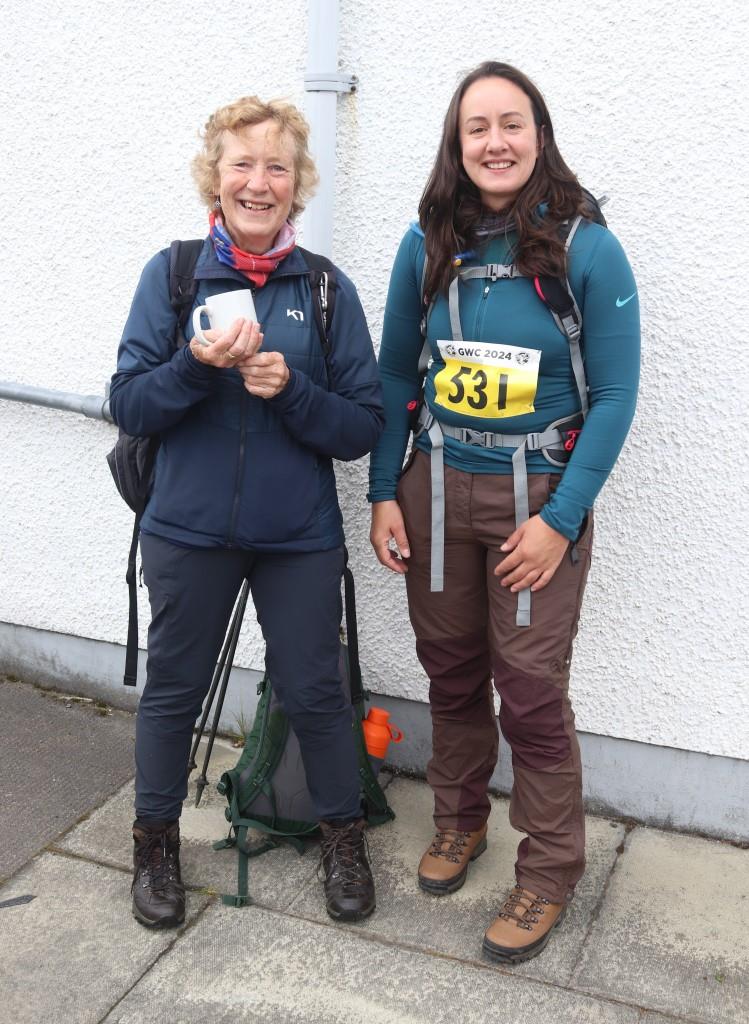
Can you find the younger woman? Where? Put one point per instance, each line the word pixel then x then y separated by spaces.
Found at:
pixel 521 424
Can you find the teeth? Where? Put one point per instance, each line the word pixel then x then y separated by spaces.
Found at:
pixel 499 165
pixel 255 206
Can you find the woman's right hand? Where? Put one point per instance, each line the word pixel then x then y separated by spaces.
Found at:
pixel 387 525
pixel 227 348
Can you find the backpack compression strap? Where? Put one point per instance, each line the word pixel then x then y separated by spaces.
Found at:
pixel 131 645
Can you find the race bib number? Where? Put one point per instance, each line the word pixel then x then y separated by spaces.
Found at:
pixel 487 380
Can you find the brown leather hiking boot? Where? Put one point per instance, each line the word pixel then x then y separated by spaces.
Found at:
pixel 523 927
pixel 349 886
pixel 444 866
pixel 158 892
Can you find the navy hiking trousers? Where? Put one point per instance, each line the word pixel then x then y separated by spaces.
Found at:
pixel 297 597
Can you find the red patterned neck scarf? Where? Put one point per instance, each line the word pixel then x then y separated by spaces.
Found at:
pixel 256 268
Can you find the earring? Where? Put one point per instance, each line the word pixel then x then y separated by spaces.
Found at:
pixel 217 203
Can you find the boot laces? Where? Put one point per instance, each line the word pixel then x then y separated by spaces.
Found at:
pixel 157 859
pixel 522 908
pixel 450 844
pixel 347 851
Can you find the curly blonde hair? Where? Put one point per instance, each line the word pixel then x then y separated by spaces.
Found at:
pixel 243 113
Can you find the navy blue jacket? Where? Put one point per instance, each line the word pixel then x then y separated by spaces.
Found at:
pixel 235 470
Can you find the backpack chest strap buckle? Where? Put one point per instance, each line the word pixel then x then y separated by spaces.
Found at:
pixel 501 271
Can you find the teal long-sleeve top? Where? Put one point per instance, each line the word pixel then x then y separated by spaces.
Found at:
pixel 513 323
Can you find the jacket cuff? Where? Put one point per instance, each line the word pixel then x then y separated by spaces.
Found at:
pixel 192 368
pixel 378 494
pixel 286 398
pixel 551 520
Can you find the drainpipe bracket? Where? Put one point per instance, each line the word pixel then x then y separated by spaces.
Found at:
pixel 329 82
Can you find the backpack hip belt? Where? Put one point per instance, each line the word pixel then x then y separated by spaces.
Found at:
pixel 557 437
pixel 554 438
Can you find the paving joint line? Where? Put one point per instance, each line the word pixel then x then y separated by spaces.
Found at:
pixel 621 849
pixel 59 851
pixel 179 933
pixel 213 895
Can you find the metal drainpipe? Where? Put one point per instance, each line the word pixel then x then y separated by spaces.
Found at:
pixel 93 406
pixel 323 82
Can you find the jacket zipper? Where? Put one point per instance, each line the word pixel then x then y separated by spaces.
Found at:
pixel 481 312
pixel 240 471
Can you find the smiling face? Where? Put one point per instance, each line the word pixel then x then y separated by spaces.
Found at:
pixel 256 178
pixel 499 140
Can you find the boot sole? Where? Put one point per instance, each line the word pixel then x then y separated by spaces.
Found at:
pixel 350 916
pixel 503 955
pixel 165 922
pixel 435 888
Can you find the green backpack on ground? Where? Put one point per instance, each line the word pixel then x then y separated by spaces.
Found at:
pixel 267 789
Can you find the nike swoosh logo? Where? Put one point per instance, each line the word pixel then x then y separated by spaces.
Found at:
pixel 623 302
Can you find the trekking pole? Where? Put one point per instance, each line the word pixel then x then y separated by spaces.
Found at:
pixel 192 763
pixel 223 668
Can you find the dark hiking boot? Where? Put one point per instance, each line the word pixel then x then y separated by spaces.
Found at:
pixel 523 927
pixel 444 866
pixel 158 892
pixel 349 886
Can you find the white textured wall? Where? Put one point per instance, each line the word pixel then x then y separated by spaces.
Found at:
pixel 100 106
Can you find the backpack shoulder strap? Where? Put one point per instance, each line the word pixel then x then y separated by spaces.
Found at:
pixel 593 206
pixel 322 275
pixel 557 294
pixel 183 256
pixel 426 306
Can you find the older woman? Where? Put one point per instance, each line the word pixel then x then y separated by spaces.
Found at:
pixel 522 423
pixel 250 420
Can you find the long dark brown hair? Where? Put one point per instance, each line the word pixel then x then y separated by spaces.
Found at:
pixel 451 208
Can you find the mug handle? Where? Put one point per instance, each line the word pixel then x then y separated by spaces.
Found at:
pixel 196 328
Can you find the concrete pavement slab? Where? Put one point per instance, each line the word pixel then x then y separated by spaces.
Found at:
pixel 59 757
pixel 254 965
pixel 75 949
pixel 275 878
pixel 673 932
pixel 455 924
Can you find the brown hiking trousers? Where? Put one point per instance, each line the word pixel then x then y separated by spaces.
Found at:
pixel 465 636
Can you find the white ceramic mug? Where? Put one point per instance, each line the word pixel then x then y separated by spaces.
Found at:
pixel 222 310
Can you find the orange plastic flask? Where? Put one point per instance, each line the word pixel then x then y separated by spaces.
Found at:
pixel 378 733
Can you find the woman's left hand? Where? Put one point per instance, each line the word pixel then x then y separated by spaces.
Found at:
pixel 535 553
pixel 265 374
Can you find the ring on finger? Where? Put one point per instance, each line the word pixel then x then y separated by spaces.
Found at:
pixel 232 355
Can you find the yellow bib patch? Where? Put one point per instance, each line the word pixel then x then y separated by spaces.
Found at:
pixel 487 380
